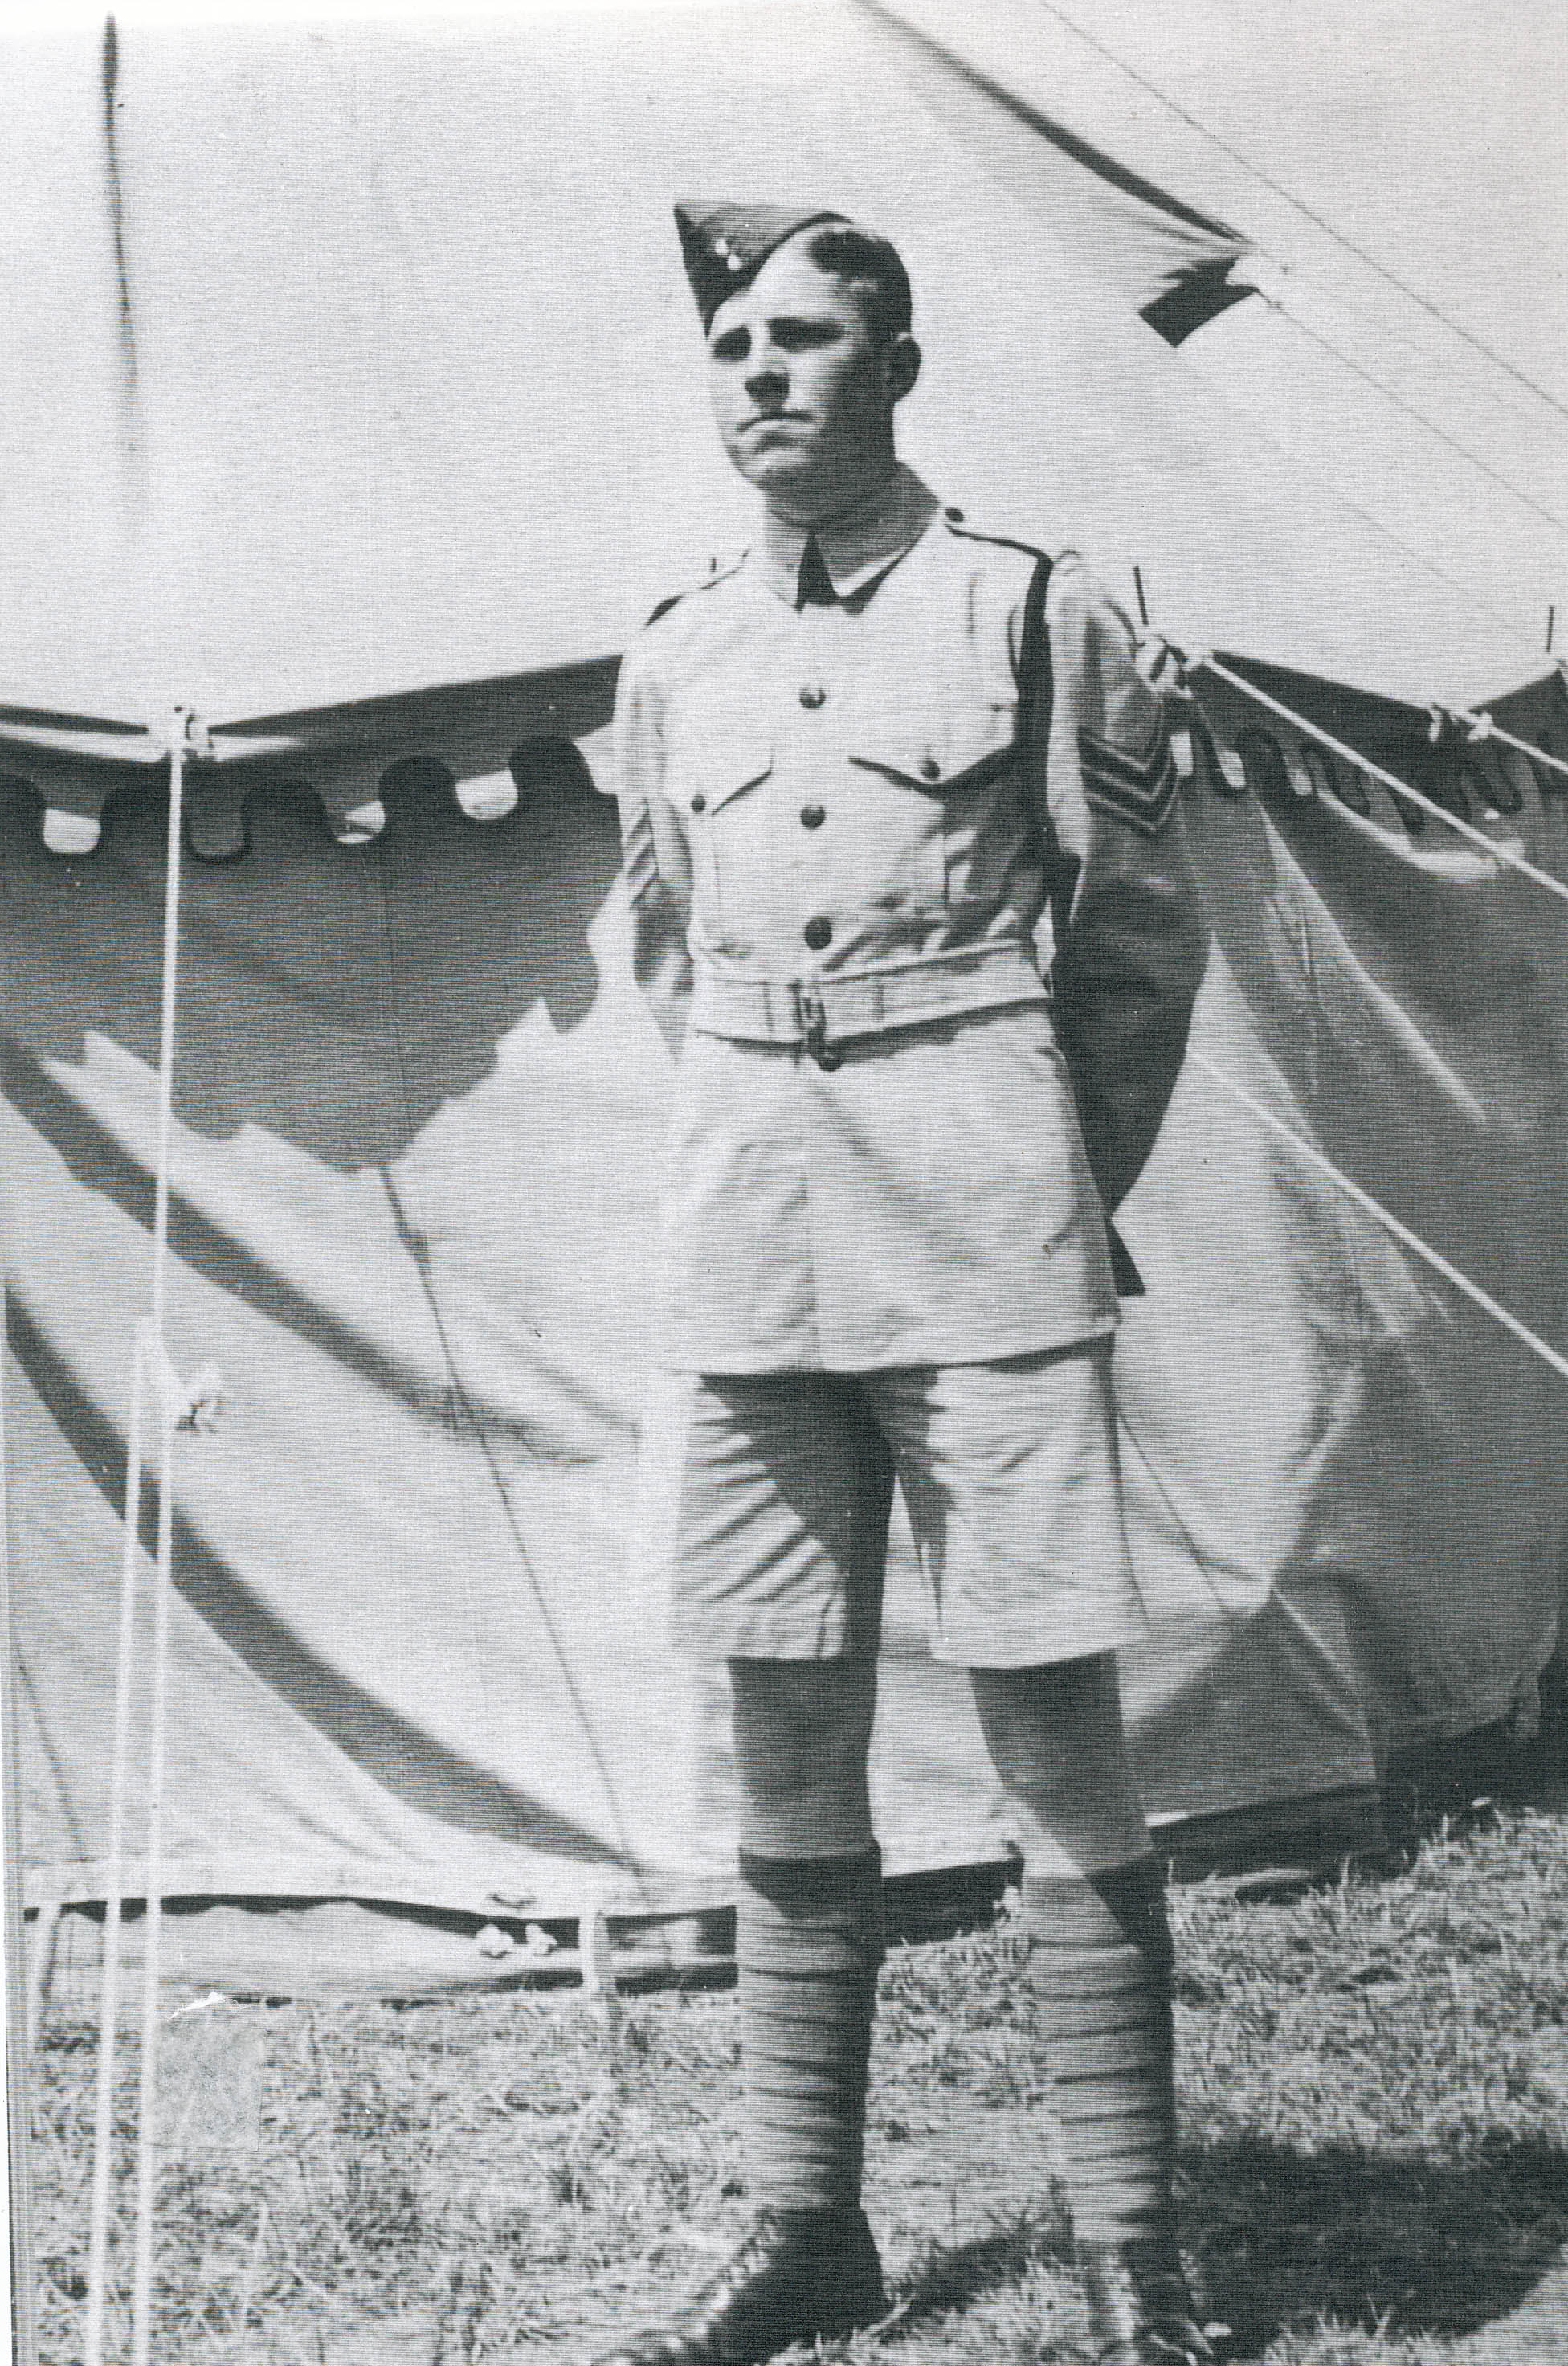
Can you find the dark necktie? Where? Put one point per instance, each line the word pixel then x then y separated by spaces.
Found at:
pixel 815 585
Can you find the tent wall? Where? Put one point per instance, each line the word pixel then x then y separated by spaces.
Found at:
pixel 1390 351
pixel 418 1109
pixel 352 400
pixel 399 383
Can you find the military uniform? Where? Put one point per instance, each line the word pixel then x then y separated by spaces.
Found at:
pixel 843 823
pixel 864 773
pixel 839 847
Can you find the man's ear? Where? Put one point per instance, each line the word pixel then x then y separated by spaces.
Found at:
pixel 902 366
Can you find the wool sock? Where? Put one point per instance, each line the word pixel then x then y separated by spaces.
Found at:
pixel 807 1948
pixel 1101 1963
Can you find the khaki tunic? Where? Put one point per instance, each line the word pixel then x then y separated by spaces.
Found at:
pixel 888 1133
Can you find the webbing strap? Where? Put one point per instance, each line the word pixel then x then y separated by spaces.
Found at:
pixel 1036 681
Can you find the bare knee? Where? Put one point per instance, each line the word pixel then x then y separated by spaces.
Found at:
pixel 1047 1727
pixel 1055 1737
pixel 799 1720
pixel 801 1730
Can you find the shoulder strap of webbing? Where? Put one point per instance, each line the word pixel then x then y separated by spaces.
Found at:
pixel 1036 688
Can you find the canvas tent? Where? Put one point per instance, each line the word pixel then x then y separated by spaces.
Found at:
pixel 373 426
pixel 1384 184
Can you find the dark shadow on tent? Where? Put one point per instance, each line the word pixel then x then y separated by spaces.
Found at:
pixel 336 995
pixel 96 1159
pixel 406 1761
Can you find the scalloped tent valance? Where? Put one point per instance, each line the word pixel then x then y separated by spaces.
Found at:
pixel 350 364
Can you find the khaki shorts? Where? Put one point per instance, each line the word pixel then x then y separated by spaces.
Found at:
pixel 766 1500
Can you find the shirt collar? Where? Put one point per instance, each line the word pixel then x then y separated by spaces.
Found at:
pixel 857 547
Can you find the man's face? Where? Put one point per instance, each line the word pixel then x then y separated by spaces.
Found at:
pixel 802 390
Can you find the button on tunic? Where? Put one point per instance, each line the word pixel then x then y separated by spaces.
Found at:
pixel 839 842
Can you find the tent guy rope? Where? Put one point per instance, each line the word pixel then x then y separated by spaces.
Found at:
pixel 150 1392
pixel 1503 854
pixel 1361 254
pixel 1479 727
pixel 1374 1208
pixel 1391 1222
pixel 1413 410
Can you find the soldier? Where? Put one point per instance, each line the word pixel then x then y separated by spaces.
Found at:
pixel 854 771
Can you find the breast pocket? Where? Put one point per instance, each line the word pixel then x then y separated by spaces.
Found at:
pixel 708 782
pixel 925 781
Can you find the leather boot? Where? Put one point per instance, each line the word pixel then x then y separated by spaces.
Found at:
pixel 800 2274
pixel 1140 2311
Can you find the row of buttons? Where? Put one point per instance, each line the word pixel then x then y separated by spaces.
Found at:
pixel 812 817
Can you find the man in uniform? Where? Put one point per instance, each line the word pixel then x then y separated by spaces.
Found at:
pixel 856 769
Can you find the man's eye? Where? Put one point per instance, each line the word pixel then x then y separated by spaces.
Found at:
pixel 798 336
pixel 731 348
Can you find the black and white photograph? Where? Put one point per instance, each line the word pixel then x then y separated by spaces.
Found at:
pixel 783 1182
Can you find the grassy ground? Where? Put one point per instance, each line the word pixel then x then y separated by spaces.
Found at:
pixel 1374 2087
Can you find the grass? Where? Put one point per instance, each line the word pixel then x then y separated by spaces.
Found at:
pixel 1374 2089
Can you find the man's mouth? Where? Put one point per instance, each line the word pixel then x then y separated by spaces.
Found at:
pixel 776 418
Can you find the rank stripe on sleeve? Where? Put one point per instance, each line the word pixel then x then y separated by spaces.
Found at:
pixel 1137 790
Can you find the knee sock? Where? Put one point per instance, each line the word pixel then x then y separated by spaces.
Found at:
pixel 807 1948
pixel 1101 1963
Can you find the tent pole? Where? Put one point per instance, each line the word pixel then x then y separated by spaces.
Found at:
pixel 114 1875
pixel 163 1400
pixel 19 2117
pixel 149 1374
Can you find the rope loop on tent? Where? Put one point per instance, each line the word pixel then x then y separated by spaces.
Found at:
pixel 1391 1222
pixel 1503 854
pixel 152 1398
pixel 1479 727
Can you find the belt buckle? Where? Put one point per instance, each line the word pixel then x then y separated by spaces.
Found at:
pixel 814 1031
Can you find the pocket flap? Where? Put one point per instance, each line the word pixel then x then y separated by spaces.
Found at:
pixel 936 748
pixel 706 774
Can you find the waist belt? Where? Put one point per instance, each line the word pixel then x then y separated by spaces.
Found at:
pixel 818 1011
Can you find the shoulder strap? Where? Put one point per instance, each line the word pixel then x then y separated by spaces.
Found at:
pixel 1036 703
pixel 1036 687
pixel 1034 683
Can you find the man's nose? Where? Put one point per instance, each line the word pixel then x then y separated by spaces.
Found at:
pixel 767 378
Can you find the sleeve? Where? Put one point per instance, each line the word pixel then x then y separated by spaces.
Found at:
pixel 1130 939
pixel 654 854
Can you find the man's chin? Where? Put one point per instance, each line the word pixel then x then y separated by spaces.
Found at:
pixel 778 469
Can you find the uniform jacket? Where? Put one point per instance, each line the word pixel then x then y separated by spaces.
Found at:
pixel 893 1142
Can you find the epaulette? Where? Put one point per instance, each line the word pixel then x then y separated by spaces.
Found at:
pixel 956 523
pixel 717 572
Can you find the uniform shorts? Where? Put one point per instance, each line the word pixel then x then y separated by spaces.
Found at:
pixel 766 1498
